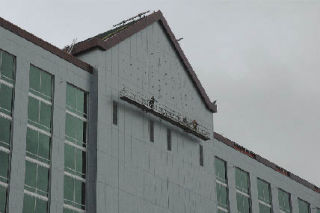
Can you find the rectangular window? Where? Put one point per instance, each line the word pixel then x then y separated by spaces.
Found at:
pixel 115 113
pixel 151 131
pixel 264 196
pixel 221 185
pixel 304 207
pixel 201 155
pixel 168 139
pixel 7 82
pixel 318 210
pixel 243 191
pixel 284 201
pixel 38 141
pixel 75 149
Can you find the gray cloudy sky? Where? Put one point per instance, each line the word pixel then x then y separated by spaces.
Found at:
pixel 259 59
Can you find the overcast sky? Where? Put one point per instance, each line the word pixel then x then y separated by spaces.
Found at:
pixel 259 59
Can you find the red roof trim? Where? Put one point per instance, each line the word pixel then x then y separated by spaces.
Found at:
pixel 266 162
pixel 45 45
pixel 92 43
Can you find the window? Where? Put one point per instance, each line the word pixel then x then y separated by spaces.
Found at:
pixel 201 155
pixel 284 201
pixel 318 210
pixel 75 149
pixel 7 76
pixel 169 140
pixel 38 141
pixel 34 204
pixel 264 196
pixel 221 185
pixel 115 113
pixel 304 207
pixel 243 191
pixel 151 131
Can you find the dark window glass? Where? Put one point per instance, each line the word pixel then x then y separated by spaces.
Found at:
pixel 38 145
pixel 39 114
pixel 264 209
pixel 242 181
pixel 222 196
pixel 65 210
pixel 284 201
pixel 6 94
pixel 201 154
pixel 243 203
pixel 4 168
pixel 42 178
pixel 68 188
pixel 75 130
pixel 151 131
pixel 31 174
pixel 264 191
pixel 5 133
pixel 28 204
pixel 3 198
pixel 220 168
pixel 75 160
pixel 115 113
pixel 40 83
pixel 304 207
pixel 76 100
pixel 74 192
pixel 7 66
pixel 169 139
pixel 37 178
pixel 34 205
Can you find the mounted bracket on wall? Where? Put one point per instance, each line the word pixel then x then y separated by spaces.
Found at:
pixel 150 105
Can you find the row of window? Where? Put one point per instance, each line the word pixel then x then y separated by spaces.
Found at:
pixel 243 197
pixel 38 140
pixel 7 83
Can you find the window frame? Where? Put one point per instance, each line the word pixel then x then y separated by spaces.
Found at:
pixel 289 198
pixel 241 192
pixel 262 202
pixel 84 117
pixel 223 184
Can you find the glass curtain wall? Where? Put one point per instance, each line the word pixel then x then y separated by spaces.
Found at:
pixel 243 191
pixel 38 141
pixel 221 185
pixel 75 149
pixel 7 82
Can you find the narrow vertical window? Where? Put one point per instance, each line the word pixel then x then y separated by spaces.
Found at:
pixel 168 139
pixel 38 140
pixel 7 82
pixel 284 201
pixel 243 191
pixel 201 154
pixel 75 149
pixel 304 207
pixel 221 185
pixel 151 130
pixel 264 196
pixel 115 113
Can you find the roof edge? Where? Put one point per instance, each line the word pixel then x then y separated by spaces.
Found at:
pixel 44 45
pixel 265 162
pixel 92 43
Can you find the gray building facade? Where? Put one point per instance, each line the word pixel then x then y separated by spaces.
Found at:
pixel 120 123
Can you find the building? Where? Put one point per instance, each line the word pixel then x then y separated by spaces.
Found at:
pixel 120 123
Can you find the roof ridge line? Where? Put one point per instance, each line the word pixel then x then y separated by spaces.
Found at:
pixel 140 24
